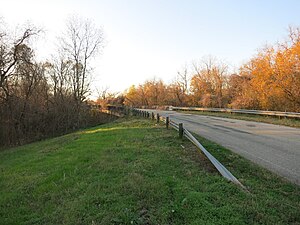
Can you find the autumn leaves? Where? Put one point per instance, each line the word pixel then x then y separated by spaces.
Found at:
pixel 270 80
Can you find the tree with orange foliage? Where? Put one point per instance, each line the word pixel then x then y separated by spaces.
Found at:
pixel 209 82
pixel 271 79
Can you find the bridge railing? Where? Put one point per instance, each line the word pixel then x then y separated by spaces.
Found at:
pixel 242 111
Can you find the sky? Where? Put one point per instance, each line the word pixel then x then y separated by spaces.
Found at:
pixel 157 38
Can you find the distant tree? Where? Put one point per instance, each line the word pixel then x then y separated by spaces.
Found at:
pixel 182 79
pixel 80 43
pixel 155 92
pixel 106 98
pixel 209 82
pixel 240 92
pixel 178 89
pixel 150 93
pixel 136 96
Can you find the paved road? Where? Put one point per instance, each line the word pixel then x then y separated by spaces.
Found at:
pixel 274 147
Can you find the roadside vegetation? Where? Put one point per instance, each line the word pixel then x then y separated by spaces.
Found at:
pixel 135 172
pixel 256 118
pixel 269 80
pixel 40 99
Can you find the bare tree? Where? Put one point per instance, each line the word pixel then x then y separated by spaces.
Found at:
pixel 80 43
pixel 179 88
pixel 182 79
pixel 12 53
pixel 41 99
pixel 103 92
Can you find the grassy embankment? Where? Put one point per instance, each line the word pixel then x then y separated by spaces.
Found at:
pixel 135 172
pixel 249 117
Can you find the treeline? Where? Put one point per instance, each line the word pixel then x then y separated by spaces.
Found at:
pixel 42 99
pixel 269 81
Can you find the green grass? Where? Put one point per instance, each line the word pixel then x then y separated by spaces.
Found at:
pixel 249 117
pixel 135 172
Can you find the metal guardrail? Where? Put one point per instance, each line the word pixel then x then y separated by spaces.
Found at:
pixel 219 166
pixel 243 111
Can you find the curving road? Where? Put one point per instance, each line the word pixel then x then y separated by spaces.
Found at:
pixel 274 147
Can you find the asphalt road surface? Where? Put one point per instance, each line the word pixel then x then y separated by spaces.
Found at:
pixel 274 147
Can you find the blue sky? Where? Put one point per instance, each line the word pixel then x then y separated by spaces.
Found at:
pixel 147 38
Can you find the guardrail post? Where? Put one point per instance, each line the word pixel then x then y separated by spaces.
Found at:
pixel 152 115
pixel 167 122
pixel 157 118
pixel 180 130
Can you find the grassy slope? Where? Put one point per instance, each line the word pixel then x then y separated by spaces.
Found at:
pixel 249 117
pixel 133 172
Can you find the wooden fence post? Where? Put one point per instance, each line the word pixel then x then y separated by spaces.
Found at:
pixel 180 130
pixel 152 115
pixel 157 118
pixel 167 122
